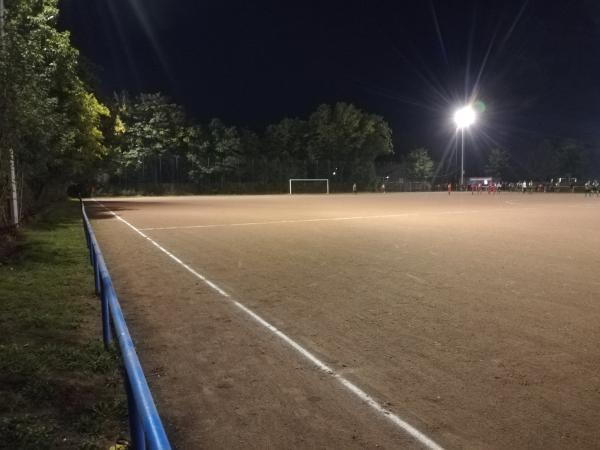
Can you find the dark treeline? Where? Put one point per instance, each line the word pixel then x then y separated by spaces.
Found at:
pixel 155 147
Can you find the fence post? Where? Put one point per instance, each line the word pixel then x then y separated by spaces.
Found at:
pixel 136 428
pixel 87 236
pixel 88 239
pixel 106 334
pixel 96 272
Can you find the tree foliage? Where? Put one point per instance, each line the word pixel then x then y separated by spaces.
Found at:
pixel 48 116
pixel 338 135
pixel 558 158
pixel 215 150
pixel 343 133
pixel 149 127
pixel 419 164
pixel 287 139
pixel 498 163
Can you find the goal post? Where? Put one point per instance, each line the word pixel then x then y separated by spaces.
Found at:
pixel 308 180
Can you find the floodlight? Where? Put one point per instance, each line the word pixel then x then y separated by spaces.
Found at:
pixel 464 117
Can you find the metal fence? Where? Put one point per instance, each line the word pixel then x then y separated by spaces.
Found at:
pixel 146 429
pixel 157 174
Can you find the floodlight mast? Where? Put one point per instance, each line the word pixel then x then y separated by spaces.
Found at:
pixel 463 118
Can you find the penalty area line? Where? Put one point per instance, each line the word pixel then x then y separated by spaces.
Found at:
pixel 350 386
pixel 275 222
pixel 328 219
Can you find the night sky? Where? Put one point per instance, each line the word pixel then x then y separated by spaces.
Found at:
pixel 535 64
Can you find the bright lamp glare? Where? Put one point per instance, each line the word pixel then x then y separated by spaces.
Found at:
pixel 464 117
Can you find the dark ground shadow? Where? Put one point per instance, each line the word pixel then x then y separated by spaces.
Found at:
pixel 99 211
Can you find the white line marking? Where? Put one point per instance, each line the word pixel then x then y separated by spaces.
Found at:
pixel 323 219
pixel 416 278
pixel 362 395
pixel 271 222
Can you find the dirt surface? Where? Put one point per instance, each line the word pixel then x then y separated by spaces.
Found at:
pixel 474 318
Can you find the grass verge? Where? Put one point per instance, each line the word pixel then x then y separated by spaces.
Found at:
pixel 59 388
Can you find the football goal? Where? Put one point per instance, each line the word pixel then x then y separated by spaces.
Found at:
pixel 309 185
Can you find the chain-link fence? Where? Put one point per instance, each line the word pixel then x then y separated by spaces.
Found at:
pixel 175 174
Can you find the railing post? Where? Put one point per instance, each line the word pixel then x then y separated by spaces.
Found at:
pixel 106 334
pixel 88 240
pixel 136 427
pixel 96 272
pixel 91 247
pixel 87 236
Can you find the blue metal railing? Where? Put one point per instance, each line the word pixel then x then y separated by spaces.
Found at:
pixel 145 426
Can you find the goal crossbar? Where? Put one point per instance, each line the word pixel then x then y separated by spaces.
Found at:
pixel 309 179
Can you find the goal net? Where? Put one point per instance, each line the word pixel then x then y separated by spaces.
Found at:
pixel 309 186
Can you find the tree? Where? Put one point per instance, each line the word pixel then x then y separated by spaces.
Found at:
pixel 152 126
pixel 251 144
pixel 498 163
pixel 251 148
pixel 571 157
pixel 48 116
pixel 151 130
pixel 419 164
pixel 215 149
pixel 287 139
pixel 286 150
pixel 349 136
pixel 558 158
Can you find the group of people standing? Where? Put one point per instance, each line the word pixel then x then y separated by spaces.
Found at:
pixel 592 187
pixel 491 188
pixel 524 186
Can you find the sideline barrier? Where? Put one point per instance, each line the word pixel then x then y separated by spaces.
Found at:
pixel 145 426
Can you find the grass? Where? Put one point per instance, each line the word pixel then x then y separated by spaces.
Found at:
pixel 59 388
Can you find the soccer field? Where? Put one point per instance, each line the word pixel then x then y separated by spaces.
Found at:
pixel 364 321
